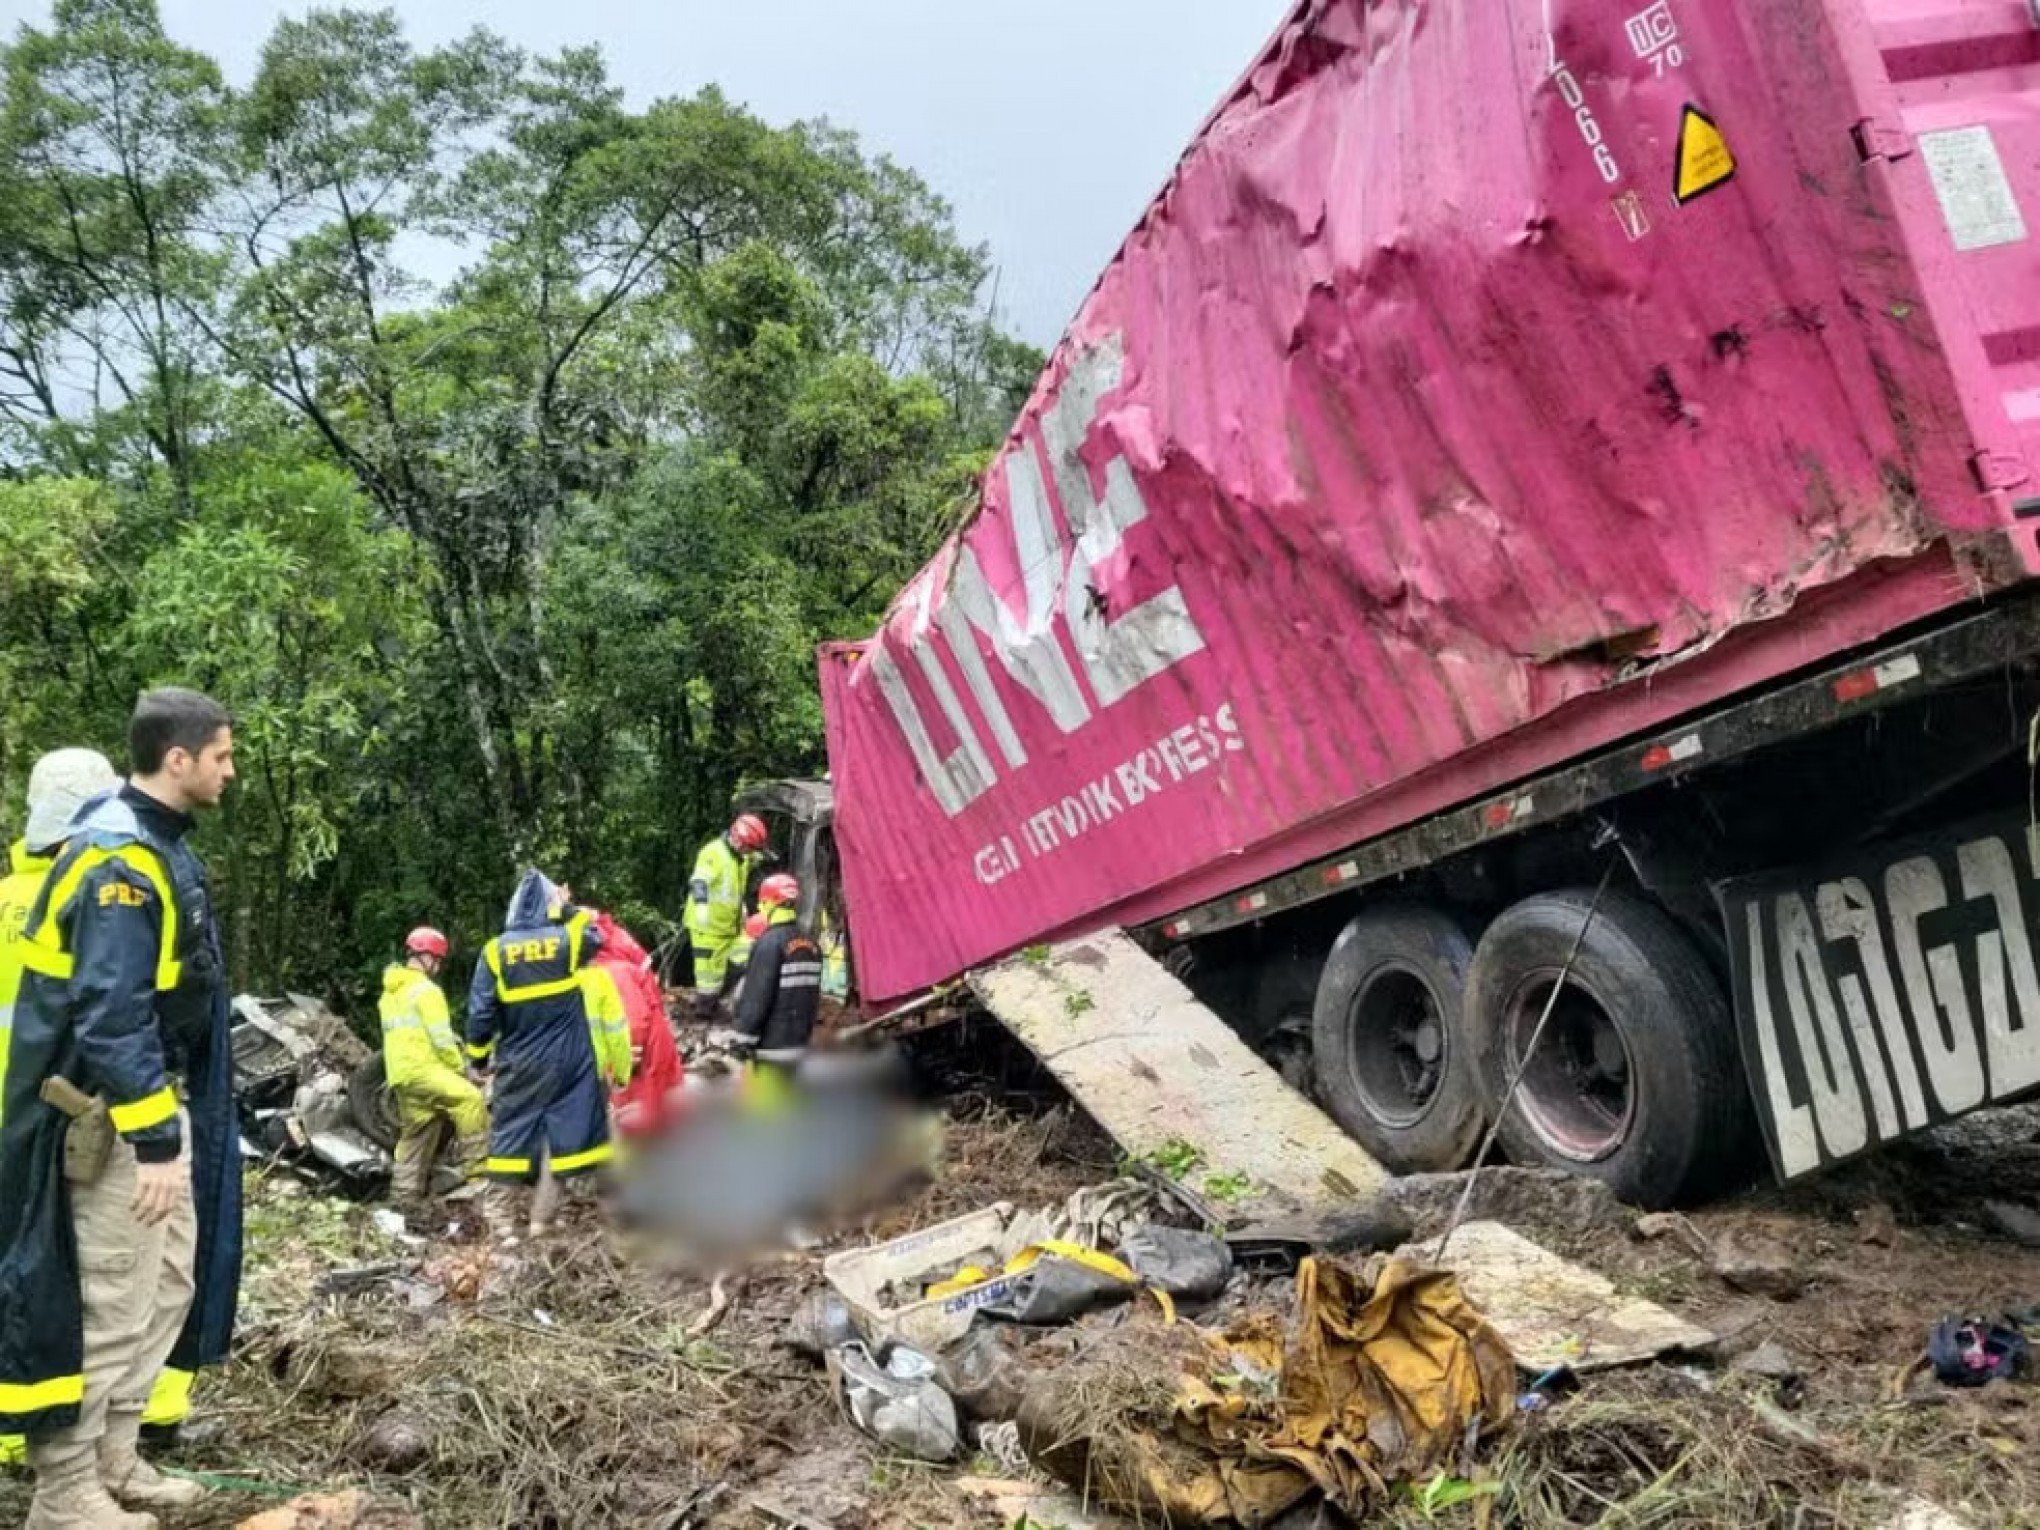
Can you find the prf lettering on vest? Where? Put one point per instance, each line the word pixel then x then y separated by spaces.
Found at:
pixel 1064 612
pixel 532 950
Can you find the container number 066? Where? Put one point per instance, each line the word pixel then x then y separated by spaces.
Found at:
pixel 1583 117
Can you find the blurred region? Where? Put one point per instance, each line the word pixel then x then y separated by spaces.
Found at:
pixel 759 1160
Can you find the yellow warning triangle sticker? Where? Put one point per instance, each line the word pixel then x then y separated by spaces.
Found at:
pixel 1704 159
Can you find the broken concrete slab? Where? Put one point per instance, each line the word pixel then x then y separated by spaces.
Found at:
pixel 2014 1220
pixel 1162 1074
pixel 1670 1224
pixel 1876 1224
pixel 1753 1262
pixel 1770 1360
pixel 1552 1312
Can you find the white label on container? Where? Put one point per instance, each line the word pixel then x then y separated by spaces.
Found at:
pixel 1969 178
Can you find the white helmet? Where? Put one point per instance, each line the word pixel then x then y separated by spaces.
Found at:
pixel 62 782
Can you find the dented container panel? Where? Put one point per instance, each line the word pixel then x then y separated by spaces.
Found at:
pixel 1491 381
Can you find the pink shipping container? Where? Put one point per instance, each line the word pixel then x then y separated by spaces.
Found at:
pixel 1493 381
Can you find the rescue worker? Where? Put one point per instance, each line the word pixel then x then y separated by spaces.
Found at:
pixel 59 783
pixel 783 985
pixel 422 1064
pixel 528 1020
pixel 648 1101
pixel 120 1226
pixel 715 905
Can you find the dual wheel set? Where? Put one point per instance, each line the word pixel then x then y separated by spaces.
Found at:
pixel 1418 1028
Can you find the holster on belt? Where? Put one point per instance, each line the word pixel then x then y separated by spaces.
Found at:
pixel 88 1134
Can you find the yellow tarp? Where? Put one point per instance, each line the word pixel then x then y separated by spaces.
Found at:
pixel 1371 1387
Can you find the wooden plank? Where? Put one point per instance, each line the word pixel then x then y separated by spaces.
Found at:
pixel 1157 1069
pixel 1552 1312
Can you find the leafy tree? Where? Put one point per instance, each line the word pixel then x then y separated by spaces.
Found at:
pixel 527 561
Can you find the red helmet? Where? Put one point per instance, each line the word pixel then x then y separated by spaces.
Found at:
pixel 749 833
pixel 426 941
pixel 780 887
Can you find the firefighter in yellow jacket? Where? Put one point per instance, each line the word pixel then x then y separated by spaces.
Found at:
pixel 715 906
pixel 422 1062
pixel 59 784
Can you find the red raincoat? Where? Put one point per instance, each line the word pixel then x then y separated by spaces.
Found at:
pixel 649 1102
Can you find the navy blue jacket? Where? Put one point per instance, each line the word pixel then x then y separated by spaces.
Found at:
pixel 526 1014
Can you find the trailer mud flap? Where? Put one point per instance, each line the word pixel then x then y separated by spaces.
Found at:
pixel 1172 1083
pixel 1891 990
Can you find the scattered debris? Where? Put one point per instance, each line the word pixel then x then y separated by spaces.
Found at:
pixel 1184 1263
pixel 900 1403
pixel 1763 1266
pixel 614 1415
pixel 1670 1224
pixel 1770 1360
pixel 1877 1225
pixel 1380 1376
pixel 1971 1352
pixel 396 1443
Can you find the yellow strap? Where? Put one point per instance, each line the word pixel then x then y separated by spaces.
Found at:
pixel 531 991
pixel 601 1153
pixel 43 950
pixel 34 1396
pixel 150 1110
pixel 970 1275
pixel 1078 1253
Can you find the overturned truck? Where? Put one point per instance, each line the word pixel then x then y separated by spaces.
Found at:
pixel 1525 444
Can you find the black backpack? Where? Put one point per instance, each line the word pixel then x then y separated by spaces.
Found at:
pixel 1968 1352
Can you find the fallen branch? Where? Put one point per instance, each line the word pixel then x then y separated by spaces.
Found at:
pixel 719 1303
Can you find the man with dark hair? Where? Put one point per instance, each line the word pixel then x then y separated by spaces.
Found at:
pixel 174 718
pixel 120 1217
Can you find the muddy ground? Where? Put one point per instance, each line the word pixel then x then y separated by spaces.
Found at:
pixel 581 1388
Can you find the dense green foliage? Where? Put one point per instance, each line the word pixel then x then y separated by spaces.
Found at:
pixel 498 452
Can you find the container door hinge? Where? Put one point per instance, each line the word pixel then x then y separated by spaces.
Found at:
pixel 1996 471
pixel 1881 140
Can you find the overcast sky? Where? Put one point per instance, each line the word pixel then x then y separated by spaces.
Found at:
pixel 1047 126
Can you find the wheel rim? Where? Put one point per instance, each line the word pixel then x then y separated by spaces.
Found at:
pixel 1578 1092
pixel 1400 1044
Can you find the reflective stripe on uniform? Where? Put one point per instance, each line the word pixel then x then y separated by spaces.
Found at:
pixel 170 1400
pixel 600 1153
pixel 42 949
pixel 34 1396
pixel 507 1166
pixel 150 1110
pixel 492 953
pixel 480 1053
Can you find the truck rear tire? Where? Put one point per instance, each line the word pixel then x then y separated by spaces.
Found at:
pixel 1395 1064
pixel 1636 1080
